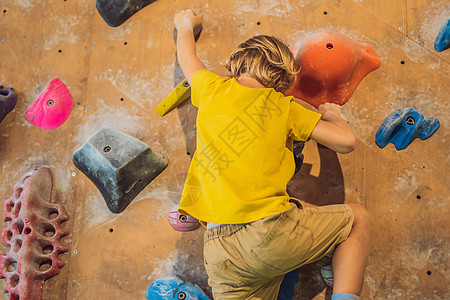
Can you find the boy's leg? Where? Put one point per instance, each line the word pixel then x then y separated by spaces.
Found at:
pixel 350 257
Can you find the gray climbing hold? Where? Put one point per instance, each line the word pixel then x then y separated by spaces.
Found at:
pixel 120 165
pixel 115 12
pixel 8 99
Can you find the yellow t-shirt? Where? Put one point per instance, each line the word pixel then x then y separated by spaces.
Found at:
pixel 241 167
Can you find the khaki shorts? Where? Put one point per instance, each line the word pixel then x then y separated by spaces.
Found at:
pixel 248 261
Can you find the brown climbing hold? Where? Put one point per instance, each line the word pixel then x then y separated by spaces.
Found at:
pixel 33 236
pixel 331 67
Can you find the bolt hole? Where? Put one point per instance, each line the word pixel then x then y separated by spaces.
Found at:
pixel 50 103
pixel 125 43
pixel 107 149
pixel 59 50
pixel 188 153
pixel 53 214
pixel 111 230
pixel 410 121
pixel 50 231
pixel 27 230
pixel 140 180
pixel 121 99
pixel 183 218
pixel 186 84
pixel 429 273
pixel 330 46
pixel 258 23
pixel 419 197
pixel 45 266
pixel 181 296
pixel 47 249
pixel 4 11
pixel 325 12
pixel 402 62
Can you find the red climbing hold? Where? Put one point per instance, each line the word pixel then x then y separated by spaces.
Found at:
pixel 332 65
pixel 33 236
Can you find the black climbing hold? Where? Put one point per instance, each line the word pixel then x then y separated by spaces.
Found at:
pixel 8 99
pixel 119 165
pixel 115 12
pixel 298 155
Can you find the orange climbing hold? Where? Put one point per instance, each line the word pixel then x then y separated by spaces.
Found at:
pixel 332 65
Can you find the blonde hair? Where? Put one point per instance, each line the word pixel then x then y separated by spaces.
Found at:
pixel 266 59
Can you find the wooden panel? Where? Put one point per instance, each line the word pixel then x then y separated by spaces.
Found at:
pixel 118 75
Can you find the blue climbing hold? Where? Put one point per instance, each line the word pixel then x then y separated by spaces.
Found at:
pixel 288 285
pixel 173 287
pixel 403 126
pixel 8 99
pixel 442 41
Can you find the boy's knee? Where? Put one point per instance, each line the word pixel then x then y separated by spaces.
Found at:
pixel 361 214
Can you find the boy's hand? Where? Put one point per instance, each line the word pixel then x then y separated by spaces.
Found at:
pixel 333 131
pixel 187 20
pixel 329 111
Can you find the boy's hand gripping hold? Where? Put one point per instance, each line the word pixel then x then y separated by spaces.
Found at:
pixel 187 20
pixel 332 131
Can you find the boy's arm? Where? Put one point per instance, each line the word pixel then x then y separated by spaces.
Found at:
pixel 305 104
pixel 185 21
pixel 332 131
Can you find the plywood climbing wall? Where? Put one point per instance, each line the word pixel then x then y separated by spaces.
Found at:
pixel 117 76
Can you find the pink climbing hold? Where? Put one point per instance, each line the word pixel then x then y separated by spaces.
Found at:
pixel 33 236
pixel 181 222
pixel 331 67
pixel 53 106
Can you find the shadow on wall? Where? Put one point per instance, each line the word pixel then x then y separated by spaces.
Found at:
pixel 325 189
pixel 187 113
pixel 189 260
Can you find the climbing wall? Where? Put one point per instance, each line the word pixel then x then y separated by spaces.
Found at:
pixel 117 76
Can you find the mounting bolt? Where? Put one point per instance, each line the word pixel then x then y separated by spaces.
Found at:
pixel 411 31
pixel 400 27
pixel 410 120
pixel 75 251
pixel 73 174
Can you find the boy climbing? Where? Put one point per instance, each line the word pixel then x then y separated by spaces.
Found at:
pixel 236 184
